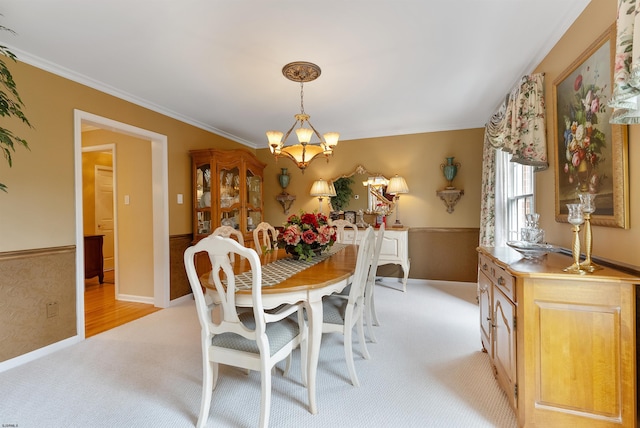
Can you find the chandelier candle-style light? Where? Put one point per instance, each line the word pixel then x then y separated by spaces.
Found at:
pixel 305 151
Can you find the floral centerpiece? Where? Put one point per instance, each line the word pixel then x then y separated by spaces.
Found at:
pixel 307 234
pixel 583 141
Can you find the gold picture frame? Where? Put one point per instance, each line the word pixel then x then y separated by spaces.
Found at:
pixel 590 153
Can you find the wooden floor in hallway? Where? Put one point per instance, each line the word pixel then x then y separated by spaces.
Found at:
pixel 103 312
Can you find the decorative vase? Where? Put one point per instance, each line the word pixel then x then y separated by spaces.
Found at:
pixel 284 178
pixel 583 176
pixel 450 170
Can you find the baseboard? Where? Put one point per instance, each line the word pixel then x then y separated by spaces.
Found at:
pixel 38 353
pixel 135 299
pixel 391 281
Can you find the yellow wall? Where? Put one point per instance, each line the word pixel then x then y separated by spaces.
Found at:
pixel 41 190
pixel 41 181
pixel 609 243
pixel 416 157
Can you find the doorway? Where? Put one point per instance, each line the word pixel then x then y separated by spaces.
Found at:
pixel 159 208
pixel 104 213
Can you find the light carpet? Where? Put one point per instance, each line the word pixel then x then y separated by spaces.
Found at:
pixel 427 370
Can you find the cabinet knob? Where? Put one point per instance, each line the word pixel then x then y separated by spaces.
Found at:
pixel 485 267
pixel 488 318
pixel 501 281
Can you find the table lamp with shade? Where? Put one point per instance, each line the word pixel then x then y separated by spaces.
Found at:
pixel 321 189
pixel 397 186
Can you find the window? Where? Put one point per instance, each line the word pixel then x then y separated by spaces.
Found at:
pixel 514 197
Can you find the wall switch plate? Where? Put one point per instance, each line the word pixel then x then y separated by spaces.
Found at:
pixel 180 198
pixel 126 199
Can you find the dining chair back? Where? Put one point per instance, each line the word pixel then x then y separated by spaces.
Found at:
pixel 343 312
pixel 229 232
pixel 265 237
pixel 370 315
pixel 341 226
pixel 254 340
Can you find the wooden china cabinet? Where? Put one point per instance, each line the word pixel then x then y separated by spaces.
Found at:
pixel 227 190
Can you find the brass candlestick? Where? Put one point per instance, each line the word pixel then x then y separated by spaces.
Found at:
pixel 576 218
pixel 587 200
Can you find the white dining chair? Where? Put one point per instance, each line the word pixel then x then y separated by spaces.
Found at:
pixel 265 237
pixel 229 232
pixel 370 315
pixel 341 226
pixel 342 313
pixel 254 340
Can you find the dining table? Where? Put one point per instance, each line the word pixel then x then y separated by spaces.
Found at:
pixel 286 280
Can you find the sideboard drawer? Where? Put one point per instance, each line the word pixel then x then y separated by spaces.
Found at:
pixel 505 282
pixel 503 279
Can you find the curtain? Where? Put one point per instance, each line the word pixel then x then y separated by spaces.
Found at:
pixel 626 74
pixel 517 127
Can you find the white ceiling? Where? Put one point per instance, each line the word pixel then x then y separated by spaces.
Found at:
pixel 389 67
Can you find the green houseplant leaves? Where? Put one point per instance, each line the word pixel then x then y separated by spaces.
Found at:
pixel 10 106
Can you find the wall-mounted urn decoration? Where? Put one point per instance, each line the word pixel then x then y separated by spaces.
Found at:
pixel 285 198
pixel 450 170
pixel 450 195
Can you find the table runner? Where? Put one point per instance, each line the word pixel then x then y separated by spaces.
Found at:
pixel 279 270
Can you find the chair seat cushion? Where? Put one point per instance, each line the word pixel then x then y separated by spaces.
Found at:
pixel 279 334
pixel 334 309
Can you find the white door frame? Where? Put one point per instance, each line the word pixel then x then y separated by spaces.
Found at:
pixel 160 201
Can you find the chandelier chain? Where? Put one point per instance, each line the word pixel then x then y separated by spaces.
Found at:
pixel 302 98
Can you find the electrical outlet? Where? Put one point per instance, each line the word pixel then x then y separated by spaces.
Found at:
pixel 52 309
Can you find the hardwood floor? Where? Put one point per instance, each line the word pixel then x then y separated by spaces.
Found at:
pixel 103 312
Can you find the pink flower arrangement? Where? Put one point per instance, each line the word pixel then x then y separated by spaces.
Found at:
pixel 307 234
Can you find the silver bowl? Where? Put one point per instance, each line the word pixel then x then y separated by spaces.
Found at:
pixel 532 250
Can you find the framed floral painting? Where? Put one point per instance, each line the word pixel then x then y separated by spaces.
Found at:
pixel 590 153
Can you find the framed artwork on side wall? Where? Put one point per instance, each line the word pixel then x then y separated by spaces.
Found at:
pixel 590 153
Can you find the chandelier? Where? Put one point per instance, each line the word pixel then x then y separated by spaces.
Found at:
pixel 305 151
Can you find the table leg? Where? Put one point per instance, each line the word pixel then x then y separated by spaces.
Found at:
pixel 314 316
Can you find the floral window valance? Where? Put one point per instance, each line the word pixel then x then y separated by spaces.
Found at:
pixel 626 75
pixel 518 126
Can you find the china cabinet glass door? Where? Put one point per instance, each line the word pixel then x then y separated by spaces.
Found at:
pixel 203 198
pixel 230 203
pixel 254 200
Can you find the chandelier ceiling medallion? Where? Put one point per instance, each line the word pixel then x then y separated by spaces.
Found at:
pixel 305 151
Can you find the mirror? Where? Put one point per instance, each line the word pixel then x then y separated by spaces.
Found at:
pixel 361 190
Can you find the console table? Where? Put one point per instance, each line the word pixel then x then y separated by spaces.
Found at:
pixel 395 248
pixel 93 259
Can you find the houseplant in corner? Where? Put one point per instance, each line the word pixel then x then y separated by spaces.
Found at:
pixel 307 235
pixel 10 105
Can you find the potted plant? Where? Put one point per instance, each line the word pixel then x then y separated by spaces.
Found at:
pixel 343 193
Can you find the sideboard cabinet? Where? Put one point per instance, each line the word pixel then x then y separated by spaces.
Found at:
pixel 93 258
pixel 562 346
pixel 394 250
